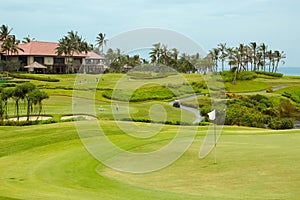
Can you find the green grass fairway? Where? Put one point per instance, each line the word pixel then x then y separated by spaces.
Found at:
pixel 50 162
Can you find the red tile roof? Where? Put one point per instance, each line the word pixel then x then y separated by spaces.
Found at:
pixel 36 48
pixel 93 55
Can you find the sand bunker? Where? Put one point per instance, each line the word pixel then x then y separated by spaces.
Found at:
pixel 31 118
pixel 87 117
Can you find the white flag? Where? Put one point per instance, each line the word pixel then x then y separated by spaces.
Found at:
pixel 212 115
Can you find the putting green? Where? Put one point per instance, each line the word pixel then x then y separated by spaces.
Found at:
pixel 50 162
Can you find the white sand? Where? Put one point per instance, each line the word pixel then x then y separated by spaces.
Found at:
pixel 87 117
pixel 31 118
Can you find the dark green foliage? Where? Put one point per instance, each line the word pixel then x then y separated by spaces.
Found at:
pixel 141 94
pixel 243 116
pixel 28 76
pixel 228 76
pixel 294 95
pixel 286 108
pixel 273 74
pixel 198 87
pixel 26 123
pixel 204 110
pixel 26 92
pixel 259 111
pixel 9 65
pixel 169 122
pixel 281 123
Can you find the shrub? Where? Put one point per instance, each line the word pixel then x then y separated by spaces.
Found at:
pixel 281 123
pixel 228 76
pixel 273 74
pixel 28 76
pixel 141 94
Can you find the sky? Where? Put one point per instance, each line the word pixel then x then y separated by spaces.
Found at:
pixel 207 22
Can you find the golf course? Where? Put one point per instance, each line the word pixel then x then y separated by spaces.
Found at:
pixel 49 160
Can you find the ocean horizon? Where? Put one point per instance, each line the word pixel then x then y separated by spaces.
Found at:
pixel 289 71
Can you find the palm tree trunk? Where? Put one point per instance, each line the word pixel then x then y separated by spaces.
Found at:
pixel 28 109
pixel 17 109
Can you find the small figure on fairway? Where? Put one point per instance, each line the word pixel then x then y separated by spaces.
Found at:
pixel 117 107
pixel 101 109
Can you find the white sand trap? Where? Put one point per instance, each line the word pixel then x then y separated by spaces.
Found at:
pixel 87 117
pixel 31 118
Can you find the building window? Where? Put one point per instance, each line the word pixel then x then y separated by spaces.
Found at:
pixel 59 61
pixel 39 60
pixel 78 60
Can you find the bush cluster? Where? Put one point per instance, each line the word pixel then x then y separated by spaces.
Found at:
pixel 141 94
pixel 28 76
pixel 168 122
pixel 273 74
pixel 258 111
pixel 281 123
pixel 26 123
pixel 228 76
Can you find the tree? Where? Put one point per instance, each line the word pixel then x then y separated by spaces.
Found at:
pixel 36 97
pixel 71 44
pixel 270 57
pixel 101 41
pixel 214 54
pixel 263 47
pixel 10 46
pixel 223 56
pixel 28 39
pixel 253 46
pixel 4 32
pixel 231 52
pixel 155 53
pixel 18 94
pixel 6 94
pixel 278 56
pixel 27 87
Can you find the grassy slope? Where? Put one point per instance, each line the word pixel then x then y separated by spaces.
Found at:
pixel 49 161
pixel 53 164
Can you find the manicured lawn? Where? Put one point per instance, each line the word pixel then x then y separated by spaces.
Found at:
pixel 50 162
pixel 247 86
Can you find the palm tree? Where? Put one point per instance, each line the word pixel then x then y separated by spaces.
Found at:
pixel 278 56
pixel 10 46
pixel 163 55
pixel 71 44
pixel 230 54
pixel 263 47
pixel 223 56
pixel 101 41
pixel 248 57
pixel 155 53
pixel 241 57
pixel 214 53
pixel 270 57
pixel 4 32
pixel 253 46
pixel 28 39
pixel 235 71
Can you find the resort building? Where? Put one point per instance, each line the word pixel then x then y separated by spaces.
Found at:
pixel 45 54
pixel 94 64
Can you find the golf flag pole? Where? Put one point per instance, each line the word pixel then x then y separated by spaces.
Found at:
pixel 212 117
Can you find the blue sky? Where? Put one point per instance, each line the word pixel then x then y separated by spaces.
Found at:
pixel 207 22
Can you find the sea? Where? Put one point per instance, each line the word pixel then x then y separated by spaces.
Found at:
pixel 289 71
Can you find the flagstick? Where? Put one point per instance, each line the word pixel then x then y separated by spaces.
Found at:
pixel 215 142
